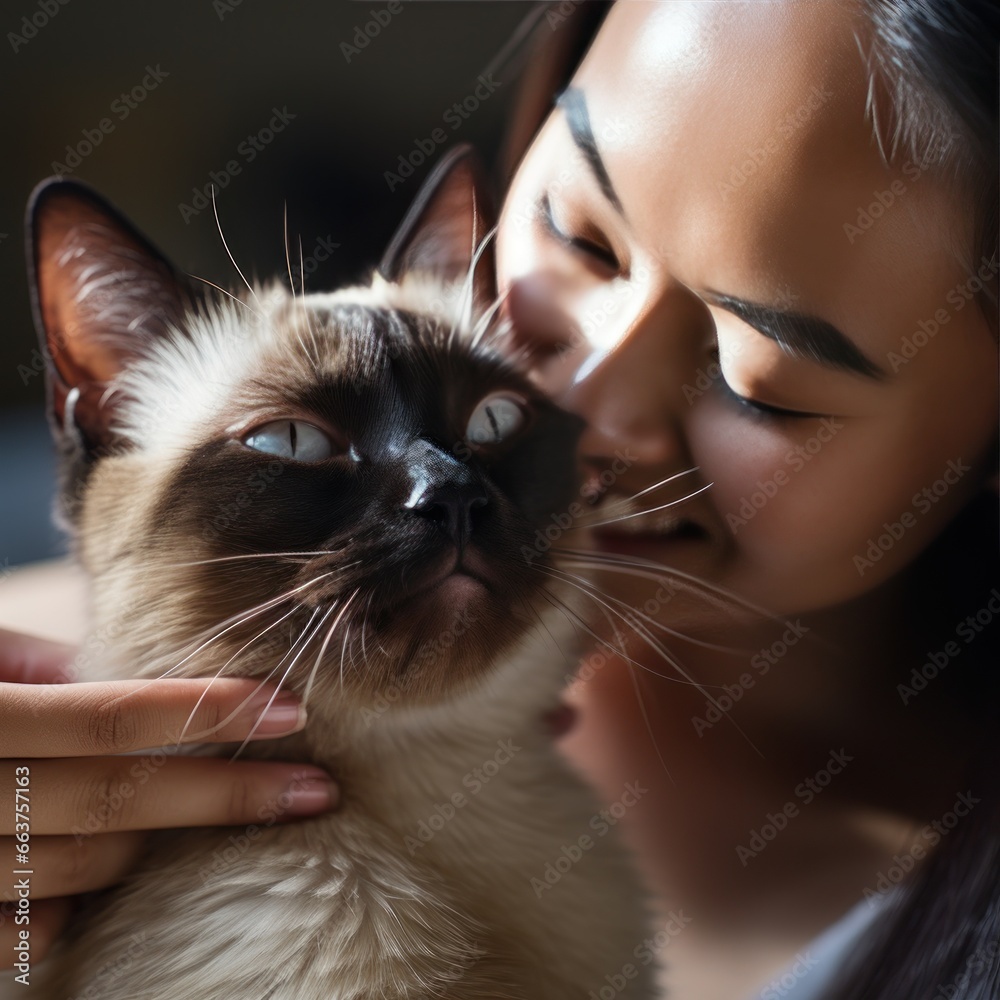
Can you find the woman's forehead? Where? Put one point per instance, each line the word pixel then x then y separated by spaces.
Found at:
pixel 737 138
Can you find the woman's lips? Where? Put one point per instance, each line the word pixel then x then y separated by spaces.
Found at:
pixel 637 536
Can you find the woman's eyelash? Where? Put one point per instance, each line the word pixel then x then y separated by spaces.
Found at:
pixel 603 254
pixel 763 411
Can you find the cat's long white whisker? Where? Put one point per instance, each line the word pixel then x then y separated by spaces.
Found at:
pixel 483 323
pixel 658 647
pixel 663 482
pixel 650 570
pixel 651 641
pixel 288 256
pixel 222 236
pixel 572 615
pixel 319 655
pixel 257 555
pixel 235 298
pixel 239 708
pixel 467 291
pixel 246 616
pixel 329 635
pixel 647 618
pixel 304 639
pixel 651 510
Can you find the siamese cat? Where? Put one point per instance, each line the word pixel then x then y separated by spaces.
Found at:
pixel 342 491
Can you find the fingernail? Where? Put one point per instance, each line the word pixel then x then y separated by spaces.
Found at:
pixel 310 791
pixel 286 714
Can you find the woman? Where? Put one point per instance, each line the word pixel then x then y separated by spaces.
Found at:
pixel 741 280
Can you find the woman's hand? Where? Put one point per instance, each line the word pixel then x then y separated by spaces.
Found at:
pixel 84 809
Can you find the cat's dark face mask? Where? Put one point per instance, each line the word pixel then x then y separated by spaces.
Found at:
pixel 388 497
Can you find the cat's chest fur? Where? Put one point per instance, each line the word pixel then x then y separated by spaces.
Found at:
pixel 434 878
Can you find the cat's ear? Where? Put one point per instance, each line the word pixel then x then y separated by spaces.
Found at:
pixel 101 292
pixel 449 229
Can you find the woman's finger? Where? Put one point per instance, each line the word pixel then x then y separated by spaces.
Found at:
pixel 76 720
pixel 105 794
pixel 48 916
pixel 25 659
pixel 66 865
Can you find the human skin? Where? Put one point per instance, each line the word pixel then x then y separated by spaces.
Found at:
pixel 618 314
pixel 65 734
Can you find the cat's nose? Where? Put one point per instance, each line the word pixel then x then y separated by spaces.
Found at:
pixel 445 491
pixel 450 505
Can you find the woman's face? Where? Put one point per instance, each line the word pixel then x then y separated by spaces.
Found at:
pixel 707 258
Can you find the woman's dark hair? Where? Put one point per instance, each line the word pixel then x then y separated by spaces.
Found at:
pixel 933 67
pixel 933 100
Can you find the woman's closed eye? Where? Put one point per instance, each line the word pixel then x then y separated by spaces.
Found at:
pixel 589 242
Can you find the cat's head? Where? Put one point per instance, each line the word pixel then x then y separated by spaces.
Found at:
pixel 351 486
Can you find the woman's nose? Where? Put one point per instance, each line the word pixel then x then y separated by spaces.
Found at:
pixel 629 385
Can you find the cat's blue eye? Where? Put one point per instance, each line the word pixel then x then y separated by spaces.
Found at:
pixel 294 439
pixel 495 418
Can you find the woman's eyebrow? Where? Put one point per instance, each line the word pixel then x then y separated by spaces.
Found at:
pixel 800 335
pixel 574 106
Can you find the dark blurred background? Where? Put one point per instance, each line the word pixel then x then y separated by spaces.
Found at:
pixel 220 69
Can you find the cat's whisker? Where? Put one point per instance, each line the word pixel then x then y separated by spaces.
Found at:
pixel 663 482
pixel 648 569
pixel 305 312
pixel 288 256
pixel 658 648
pixel 235 298
pixel 221 670
pixel 651 641
pixel 570 615
pixel 650 510
pixel 245 616
pixel 483 323
pixel 305 637
pixel 319 655
pixel 257 555
pixel 326 641
pixel 222 236
pixel 652 621
pixel 467 292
